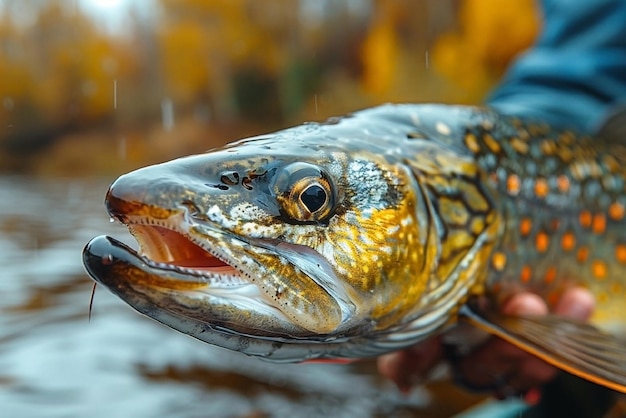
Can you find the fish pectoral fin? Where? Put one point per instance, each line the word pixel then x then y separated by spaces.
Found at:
pixel 574 346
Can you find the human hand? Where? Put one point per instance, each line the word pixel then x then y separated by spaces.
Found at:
pixel 495 364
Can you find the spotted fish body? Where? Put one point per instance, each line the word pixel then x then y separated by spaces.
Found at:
pixel 371 232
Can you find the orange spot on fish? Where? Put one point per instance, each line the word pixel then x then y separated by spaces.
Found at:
pixel 620 253
pixel 550 275
pixel 562 183
pixel 553 298
pixel 599 269
pixel 498 261
pixel 541 188
pixel 525 226
pixel 616 211
pixel 582 254
pixel 526 274
pixel 568 241
pixel 513 184
pixel 554 224
pixel 542 241
pixel 585 219
pixel 598 225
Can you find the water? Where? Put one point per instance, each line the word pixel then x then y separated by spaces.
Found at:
pixel 55 363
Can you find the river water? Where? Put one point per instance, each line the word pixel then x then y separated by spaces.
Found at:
pixel 54 362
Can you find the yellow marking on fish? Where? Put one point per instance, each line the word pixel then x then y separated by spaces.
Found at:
pixel 492 144
pixel 472 143
pixel 611 163
pixel 548 147
pixel 498 261
pixel 616 287
pixel 519 145
pixel 454 210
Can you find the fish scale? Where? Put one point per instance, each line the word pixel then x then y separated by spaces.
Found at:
pixel 374 231
pixel 569 191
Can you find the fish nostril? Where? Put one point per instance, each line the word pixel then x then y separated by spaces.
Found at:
pixel 217 186
pixel 230 178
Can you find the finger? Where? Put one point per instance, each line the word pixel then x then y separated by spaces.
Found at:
pixel 525 304
pixel 497 364
pixel 576 303
pixel 411 365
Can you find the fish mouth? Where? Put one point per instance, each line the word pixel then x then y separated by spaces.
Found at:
pixel 172 272
pixel 164 248
pixel 187 271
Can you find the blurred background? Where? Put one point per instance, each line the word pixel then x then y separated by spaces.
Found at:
pixel 100 86
pixel 90 89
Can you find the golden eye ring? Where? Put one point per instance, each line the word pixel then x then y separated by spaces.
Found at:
pixel 305 193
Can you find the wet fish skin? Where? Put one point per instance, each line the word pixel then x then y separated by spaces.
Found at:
pixel 417 208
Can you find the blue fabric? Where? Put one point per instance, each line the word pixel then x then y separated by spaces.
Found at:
pixel 576 71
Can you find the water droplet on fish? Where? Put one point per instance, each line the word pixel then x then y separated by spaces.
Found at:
pixel 111 219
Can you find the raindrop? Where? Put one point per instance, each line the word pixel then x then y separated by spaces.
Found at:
pixel 115 94
pixel 121 148
pixel 167 114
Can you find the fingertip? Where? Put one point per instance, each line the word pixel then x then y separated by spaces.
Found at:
pixel 525 304
pixel 577 303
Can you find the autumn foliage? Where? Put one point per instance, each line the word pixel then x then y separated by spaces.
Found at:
pixel 227 68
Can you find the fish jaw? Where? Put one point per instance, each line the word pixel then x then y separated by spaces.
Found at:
pixel 195 301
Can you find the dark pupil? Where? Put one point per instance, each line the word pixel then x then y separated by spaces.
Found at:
pixel 313 198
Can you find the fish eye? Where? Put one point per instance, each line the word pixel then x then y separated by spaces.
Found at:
pixel 305 193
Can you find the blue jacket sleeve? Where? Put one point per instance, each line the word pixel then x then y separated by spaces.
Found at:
pixel 576 71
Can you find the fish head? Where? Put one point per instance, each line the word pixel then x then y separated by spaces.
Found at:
pixel 288 238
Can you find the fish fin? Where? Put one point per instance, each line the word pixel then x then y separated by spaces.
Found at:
pixel 574 346
pixel 613 128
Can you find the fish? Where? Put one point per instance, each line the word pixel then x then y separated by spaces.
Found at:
pixel 370 232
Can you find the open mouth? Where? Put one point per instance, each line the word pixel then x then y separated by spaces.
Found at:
pixel 165 248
